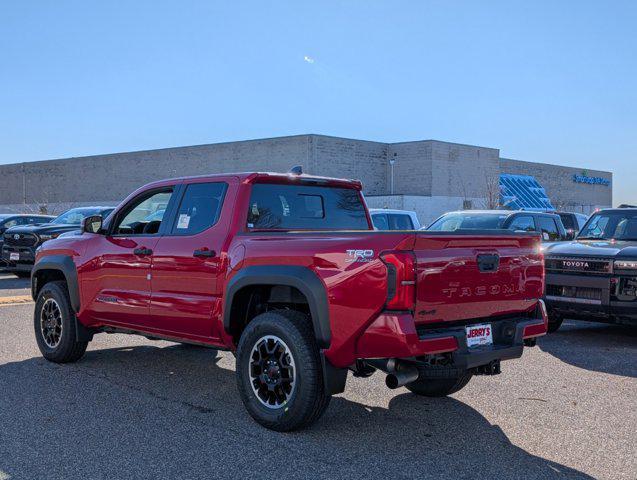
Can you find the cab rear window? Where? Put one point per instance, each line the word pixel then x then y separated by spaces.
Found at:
pixel 301 207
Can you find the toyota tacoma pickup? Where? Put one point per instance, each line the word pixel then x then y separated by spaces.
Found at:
pixel 287 272
pixel 594 277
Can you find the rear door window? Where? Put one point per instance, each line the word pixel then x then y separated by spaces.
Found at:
pixel 200 208
pixel 548 227
pixel 301 207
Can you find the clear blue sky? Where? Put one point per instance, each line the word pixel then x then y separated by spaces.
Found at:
pixel 551 81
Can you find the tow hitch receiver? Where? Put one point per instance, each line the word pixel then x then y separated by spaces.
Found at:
pixel 491 368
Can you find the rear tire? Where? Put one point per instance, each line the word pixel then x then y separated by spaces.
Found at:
pixel 428 385
pixel 54 325
pixel 279 371
pixel 22 274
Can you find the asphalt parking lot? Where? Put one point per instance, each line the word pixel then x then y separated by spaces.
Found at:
pixel 137 408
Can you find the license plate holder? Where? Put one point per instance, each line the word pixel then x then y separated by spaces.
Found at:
pixel 479 335
pixel 14 256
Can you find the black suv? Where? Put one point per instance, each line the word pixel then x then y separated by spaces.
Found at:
pixel 548 225
pixel 595 276
pixel 8 220
pixel 21 241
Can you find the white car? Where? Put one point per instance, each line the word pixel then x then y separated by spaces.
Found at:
pixel 388 219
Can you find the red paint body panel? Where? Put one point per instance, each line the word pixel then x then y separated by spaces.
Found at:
pixel 453 288
pixel 393 335
pixel 113 281
pixel 175 294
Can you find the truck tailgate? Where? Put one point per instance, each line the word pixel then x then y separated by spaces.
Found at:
pixel 462 277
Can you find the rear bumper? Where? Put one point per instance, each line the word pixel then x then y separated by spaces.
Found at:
pixel 394 335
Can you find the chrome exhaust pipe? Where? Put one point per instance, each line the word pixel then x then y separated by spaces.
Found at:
pixel 398 373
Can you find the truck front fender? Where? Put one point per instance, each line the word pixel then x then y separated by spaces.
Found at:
pixel 59 263
pixel 301 278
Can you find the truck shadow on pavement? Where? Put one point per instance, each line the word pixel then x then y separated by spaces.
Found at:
pixel 588 345
pixel 174 412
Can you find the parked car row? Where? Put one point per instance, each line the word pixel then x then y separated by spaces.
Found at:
pixel 8 221
pixel 553 226
pixel 548 225
pixel 23 234
pixel 591 262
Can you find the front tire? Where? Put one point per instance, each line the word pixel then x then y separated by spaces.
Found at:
pixel 279 371
pixel 54 325
pixel 429 385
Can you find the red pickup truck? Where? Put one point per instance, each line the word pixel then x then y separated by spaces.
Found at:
pixel 287 272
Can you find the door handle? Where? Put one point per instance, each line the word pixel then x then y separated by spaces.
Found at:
pixel 143 251
pixel 204 253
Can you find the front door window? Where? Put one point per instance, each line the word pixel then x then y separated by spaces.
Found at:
pixel 144 216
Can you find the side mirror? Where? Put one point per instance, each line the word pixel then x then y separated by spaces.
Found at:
pixel 570 234
pixel 92 224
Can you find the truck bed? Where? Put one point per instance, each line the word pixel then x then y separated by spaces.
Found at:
pixel 449 285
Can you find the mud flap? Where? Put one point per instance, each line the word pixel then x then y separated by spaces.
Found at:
pixel 334 378
pixel 82 333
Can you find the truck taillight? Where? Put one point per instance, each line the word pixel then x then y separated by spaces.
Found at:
pixel 401 280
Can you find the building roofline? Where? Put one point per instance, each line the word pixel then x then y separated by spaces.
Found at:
pixel 556 165
pixel 147 150
pixel 444 141
pixel 283 137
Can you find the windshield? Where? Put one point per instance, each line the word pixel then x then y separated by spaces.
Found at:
pixel 76 215
pixel 468 220
pixel 611 225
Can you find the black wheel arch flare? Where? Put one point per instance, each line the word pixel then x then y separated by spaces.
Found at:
pixel 301 278
pixel 65 265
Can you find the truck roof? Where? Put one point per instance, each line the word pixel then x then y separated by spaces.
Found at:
pixel 267 177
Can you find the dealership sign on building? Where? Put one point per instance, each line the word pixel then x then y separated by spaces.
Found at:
pixel 584 178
